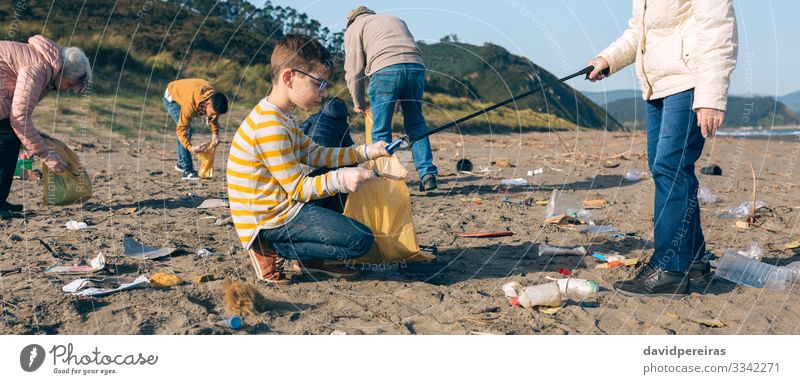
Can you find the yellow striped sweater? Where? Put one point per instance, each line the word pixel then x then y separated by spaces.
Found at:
pixel 266 187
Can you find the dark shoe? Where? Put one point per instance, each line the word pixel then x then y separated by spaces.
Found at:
pixel 190 175
pixel 8 215
pixel 428 183
pixel 652 281
pixel 318 266
pixel 699 270
pixel 11 207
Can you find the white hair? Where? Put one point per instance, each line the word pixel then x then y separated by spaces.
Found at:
pixel 75 67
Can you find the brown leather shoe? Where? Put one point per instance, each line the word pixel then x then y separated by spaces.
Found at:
pixel 318 266
pixel 266 264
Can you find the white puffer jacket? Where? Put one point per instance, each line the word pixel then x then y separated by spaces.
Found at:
pixel 679 45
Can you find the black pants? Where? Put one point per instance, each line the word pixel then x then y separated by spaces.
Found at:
pixel 9 151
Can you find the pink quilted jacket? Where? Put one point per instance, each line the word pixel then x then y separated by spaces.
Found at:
pixel 26 74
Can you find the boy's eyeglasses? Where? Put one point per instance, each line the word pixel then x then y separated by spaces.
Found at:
pixel 322 83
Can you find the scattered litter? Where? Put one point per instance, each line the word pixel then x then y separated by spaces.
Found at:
pixel 106 286
pixel 503 163
pixel 713 169
pixel 483 234
pixel 6 272
pixel 464 165
pixel 213 203
pixel 550 250
pixel 224 220
pixel 203 279
pixel 232 322
pixel 516 182
pixel 550 294
pixel 338 333
pixel 563 204
pixel 793 269
pixel 514 202
pixel 536 172
pixel 594 203
pixel 740 269
pixel 165 280
pixel 706 196
pixel 542 202
pixel 792 245
pixel 202 252
pixel 613 261
pixel 713 323
pixel 755 252
pixel 471 200
pixel 565 271
pixel 95 265
pixel 741 211
pixel 127 211
pixel 741 224
pixel 601 229
pixel 73 225
pixel 139 251
pixel 611 164
pixel 632 175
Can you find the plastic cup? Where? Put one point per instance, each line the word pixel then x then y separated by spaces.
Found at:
pixel 232 322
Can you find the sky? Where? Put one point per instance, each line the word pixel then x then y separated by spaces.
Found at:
pixel 561 36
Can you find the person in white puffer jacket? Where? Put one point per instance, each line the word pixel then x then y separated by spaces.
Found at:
pixel 684 53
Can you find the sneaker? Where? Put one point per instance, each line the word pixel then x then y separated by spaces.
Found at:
pixel 11 207
pixel 318 266
pixel 428 183
pixel 179 168
pixel 190 175
pixel 652 281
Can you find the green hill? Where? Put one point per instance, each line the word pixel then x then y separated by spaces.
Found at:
pixel 792 100
pixel 760 111
pixel 138 47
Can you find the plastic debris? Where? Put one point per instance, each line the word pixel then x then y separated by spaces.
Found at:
pixel 706 196
pixel 632 175
pixel 550 294
pixel 534 172
pixel 73 225
pixel 755 252
pixel 792 245
pixel 133 248
pixel 550 250
pixel 742 210
pixel 740 269
pixel 793 270
pixel 127 211
pixel 517 182
pixel 601 229
pixel 594 203
pixel 483 234
pixel 615 260
pixel 713 169
pixel 213 203
pixel 338 333
pixel 471 200
pixel 503 163
pixel 563 204
pixel 165 280
pixel 577 289
pixel 202 252
pixel 464 165
pixel 565 271
pixel 203 279
pixel 224 220
pixel 98 263
pixel 232 322
pixel 106 286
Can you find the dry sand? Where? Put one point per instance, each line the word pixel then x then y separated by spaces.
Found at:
pixel 465 297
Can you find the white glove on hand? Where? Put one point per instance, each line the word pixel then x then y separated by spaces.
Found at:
pixel 199 148
pixel 53 162
pixel 214 140
pixel 350 179
pixel 376 150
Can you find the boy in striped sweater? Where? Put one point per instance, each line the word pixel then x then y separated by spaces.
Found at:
pixel 271 200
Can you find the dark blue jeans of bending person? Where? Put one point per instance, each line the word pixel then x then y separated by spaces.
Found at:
pixel 184 156
pixel 319 233
pixel 404 83
pixel 674 143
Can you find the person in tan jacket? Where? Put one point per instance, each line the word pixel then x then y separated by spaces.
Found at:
pixel 684 52
pixel 28 72
pixel 184 100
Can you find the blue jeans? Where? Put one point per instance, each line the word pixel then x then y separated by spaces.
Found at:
pixel 184 156
pixel 403 82
pixel 674 143
pixel 319 233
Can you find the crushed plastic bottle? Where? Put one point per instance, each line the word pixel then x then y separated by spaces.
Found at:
pixel 632 175
pixel 706 196
pixel 742 210
pixel 793 272
pixel 563 203
pixel 740 269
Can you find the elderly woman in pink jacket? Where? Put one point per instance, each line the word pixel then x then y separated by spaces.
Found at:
pixel 27 73
pixel 684 52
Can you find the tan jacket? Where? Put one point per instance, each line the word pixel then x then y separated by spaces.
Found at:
pixel 374 42
pixel 26 74
pixel 679 45
pixel 189 94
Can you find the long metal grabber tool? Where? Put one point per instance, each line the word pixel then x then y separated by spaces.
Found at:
pixel 405 142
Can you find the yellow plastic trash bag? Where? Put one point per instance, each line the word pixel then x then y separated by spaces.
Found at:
pixel 206 157
pixel 384 206
pixel 68 187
